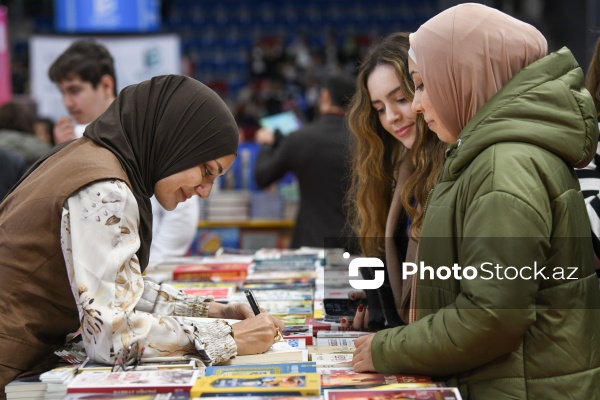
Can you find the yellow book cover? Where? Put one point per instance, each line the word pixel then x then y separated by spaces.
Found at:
pixel 300 384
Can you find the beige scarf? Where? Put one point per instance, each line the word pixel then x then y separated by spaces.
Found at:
pixel 466 53
pixel 400 288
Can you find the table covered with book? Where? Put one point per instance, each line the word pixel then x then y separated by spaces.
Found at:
pixel 313 359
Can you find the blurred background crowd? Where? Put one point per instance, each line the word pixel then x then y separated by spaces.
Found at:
pixel 265 56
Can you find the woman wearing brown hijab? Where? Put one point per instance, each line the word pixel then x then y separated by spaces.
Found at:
pixel 506 302
pixel 75 236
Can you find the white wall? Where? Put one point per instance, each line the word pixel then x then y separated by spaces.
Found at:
pixel 137 58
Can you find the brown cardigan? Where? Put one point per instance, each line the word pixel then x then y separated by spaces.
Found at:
pixel 36 303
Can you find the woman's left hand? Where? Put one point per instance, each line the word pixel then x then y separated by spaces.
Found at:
pixel 230 311
pixel 362 360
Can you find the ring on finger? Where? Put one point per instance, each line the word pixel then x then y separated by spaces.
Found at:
pixel 278 336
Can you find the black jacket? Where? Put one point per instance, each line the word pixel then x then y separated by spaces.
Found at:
pixel 318 156
pixel 12 167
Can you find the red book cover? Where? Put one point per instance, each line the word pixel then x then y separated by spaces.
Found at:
pixel 227 272
pixel 134 382
pixel 319 324
pixel 223 293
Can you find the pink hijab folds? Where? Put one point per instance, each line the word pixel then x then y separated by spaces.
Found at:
pixel 467 53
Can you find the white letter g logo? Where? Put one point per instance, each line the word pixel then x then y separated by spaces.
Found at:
pixel 366 262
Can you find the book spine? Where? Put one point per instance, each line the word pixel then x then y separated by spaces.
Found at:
pixel 250 393
pixel 339 341
pixel 281 368
pixel 128 391
pixel 207 275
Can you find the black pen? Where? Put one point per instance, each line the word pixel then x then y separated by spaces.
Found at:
pixel 252 301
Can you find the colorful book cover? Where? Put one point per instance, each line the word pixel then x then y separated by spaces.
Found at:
pixel 363 380
pixel 134 382
pixel 221 291
pixel 262 369
pixel 393 394
pixel 229 272
pixel 299 331
pixel 302 384
pixel 411 385
pixel 268 397
pixel 219 294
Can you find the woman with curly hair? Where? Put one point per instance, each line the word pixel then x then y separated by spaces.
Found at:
pixel 396 160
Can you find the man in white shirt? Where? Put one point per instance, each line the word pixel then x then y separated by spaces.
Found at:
pixel 85 76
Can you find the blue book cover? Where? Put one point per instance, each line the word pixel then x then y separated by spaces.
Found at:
pixel 262 369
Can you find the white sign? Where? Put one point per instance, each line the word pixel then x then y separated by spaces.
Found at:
pixel 366 262
pixel 137 58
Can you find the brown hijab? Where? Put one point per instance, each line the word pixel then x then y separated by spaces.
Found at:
pixel 467 53
pixel 157 128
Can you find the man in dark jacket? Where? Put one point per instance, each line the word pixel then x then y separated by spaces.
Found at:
pixel 12 168
pixel 317 155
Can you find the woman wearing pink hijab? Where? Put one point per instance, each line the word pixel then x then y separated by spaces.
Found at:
pixel 505 304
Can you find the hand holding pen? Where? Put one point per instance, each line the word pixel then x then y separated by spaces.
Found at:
pixel 256 309
pixel 252 301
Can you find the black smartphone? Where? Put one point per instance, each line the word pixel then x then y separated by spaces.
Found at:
pixel 342 306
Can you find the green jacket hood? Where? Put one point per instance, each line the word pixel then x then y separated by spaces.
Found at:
pixel 542 95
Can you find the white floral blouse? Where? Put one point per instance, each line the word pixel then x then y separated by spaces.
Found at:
pixel 117 306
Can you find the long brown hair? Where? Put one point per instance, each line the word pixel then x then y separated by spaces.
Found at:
pixel 376 154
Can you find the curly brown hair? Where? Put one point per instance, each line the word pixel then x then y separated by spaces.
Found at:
pixel 376 154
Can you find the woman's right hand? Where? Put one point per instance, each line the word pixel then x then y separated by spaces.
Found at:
pixel 256 334
pixel 361 318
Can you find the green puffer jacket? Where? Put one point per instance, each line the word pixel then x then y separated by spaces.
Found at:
pixel 508 199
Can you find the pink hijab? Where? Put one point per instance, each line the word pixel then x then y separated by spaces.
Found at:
pixel 467 53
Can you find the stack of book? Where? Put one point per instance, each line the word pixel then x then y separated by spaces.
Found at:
pixel 266 205
pixel 203 269
pixel 209 271
pixel 268 259
pixel 26 388
pixel 304 333
pixel 228 205
pixel 221 291
pixel 313 358
pixel 338 338
pixel 56 381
